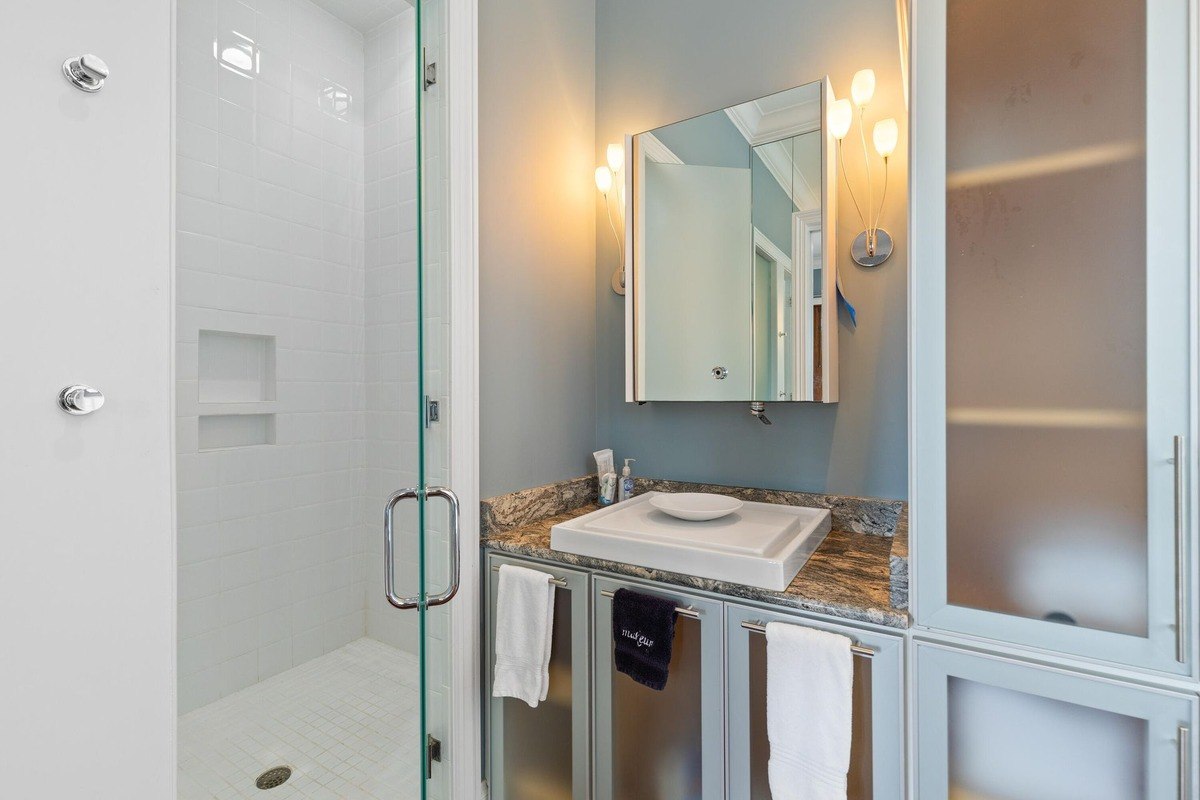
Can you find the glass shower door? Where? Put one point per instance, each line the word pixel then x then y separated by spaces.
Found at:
pixel 312 386
pixel 425 406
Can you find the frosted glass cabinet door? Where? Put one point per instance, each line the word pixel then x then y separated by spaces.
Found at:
pixel 666 745
pixel 1052 328
pixel 990 728
pixel 543 752
pixel 877 744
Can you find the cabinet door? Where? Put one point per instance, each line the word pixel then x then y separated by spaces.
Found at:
pixel 1053 334
pixel 992 727
pixel 666 745
pixel 544 752
pixel 877 745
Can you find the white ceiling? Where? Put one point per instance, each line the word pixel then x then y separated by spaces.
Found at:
pixel 363 14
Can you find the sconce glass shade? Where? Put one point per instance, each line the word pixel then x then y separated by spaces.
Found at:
pixel 886 135
pixel 840 115
pixel 862 88
pixel 616 157
pixel 604 179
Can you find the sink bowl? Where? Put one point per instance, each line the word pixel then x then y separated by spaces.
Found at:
pixel 760 544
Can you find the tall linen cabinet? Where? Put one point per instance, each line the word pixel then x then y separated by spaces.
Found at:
pixel 1053 398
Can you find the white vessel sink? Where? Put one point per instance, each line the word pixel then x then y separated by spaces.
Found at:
pixel 761 544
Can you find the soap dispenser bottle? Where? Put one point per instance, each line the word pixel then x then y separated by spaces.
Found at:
pixel 626 489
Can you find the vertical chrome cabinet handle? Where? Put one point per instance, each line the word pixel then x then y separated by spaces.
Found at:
pixel 1182 639
pixel 86 72
pixel 452 589
pixel 1184 743
pixel 389 551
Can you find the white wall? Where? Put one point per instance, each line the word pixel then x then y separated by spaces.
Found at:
pixel 270 217
pixel 86 544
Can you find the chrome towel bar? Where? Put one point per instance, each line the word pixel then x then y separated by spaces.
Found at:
pixel 680 610
pixel 855 648
pixel 555 581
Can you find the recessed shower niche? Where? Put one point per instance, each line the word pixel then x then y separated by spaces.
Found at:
pixel 235 389
pixel 236 367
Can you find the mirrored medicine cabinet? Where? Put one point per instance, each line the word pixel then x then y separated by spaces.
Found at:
pixel 731 288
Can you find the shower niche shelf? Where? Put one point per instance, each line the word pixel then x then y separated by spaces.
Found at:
pixel 222 431
pixel 235 389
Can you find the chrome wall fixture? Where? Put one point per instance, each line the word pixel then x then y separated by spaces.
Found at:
pixel 86 72
pixel 873 246
pixel 615 155
pixel 78 399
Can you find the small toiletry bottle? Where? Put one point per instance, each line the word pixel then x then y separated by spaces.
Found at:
pixel 608 488
pixel 626 490
pixel 606 477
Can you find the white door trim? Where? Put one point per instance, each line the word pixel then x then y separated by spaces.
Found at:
pixel 464 748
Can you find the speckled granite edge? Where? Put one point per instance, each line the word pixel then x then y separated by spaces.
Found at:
pixel 898 564
pixel 866 515
pixel 793 598
pixel 507 511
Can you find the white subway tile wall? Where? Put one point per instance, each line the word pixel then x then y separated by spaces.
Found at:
pixel 288 135
pixel 393 411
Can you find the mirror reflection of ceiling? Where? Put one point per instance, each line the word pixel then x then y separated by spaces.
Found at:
pixel 773 126
pixel 363 14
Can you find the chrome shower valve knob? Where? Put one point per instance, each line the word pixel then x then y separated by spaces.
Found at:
pixel 78 399
pixel 86 72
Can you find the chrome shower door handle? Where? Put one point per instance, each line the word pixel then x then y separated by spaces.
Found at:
pixel 389 551
pixel 389 547
pixel 451 498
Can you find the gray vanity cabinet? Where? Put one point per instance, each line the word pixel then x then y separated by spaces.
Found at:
pixel 666 745
pixel 990 726
pixel 877 745
pixel 544 752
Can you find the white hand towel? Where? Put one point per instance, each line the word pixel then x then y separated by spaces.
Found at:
pixel 810 682
pixel 524 627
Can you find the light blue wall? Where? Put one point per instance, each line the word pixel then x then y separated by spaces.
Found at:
pixel 537 302
pixel 770 208
pixel 712 140
pixel 666 60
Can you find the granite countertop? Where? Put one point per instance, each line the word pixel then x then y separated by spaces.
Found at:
pixel 860 571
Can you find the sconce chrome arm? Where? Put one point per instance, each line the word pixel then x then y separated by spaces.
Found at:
pixel 618 276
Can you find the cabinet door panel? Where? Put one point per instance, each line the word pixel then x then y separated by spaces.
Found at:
pixel 664 745
pixel 1052 324
pixel 544 752
pixel 876 751
pixel 993 727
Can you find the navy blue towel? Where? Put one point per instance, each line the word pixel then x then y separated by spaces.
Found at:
pixel 643 631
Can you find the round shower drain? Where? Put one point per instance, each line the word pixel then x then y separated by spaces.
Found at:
pixel 275 776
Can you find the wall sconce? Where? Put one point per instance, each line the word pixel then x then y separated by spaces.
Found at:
pixel 615 155
pixel 873 246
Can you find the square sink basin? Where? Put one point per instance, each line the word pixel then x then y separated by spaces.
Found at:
pixel 760 544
